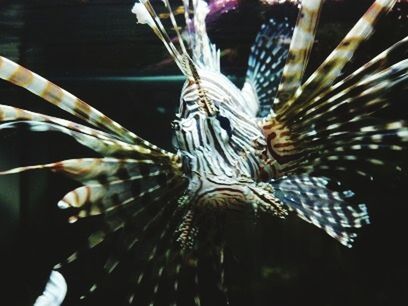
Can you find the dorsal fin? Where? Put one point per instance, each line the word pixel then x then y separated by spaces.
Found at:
pixel 204 53
pixel 146 14
pixel 198 52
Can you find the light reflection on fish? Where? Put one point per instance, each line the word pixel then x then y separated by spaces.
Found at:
pixel 257 150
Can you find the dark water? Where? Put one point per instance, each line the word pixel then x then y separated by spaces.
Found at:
pixel 95 50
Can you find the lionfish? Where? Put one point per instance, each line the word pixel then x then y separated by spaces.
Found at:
pixel 257 150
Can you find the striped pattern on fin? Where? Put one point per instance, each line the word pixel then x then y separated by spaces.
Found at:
pixel 329 210
pixel 204 54
pixel 370 151
pixel 200 52
pixel 10 113
pixel 168 269
pixel 396 53
pixel 106 147
pixel 18 75
pixel 265 65
pixel 363 98
pixel 331 68
pixel 149 227
pixel 156 265
pixel 126 217
pixel 339 119
pixel 122 190
pixel 146 14
pixel 90 171
pixel 299 51
pixel 97 199
pixel 126 192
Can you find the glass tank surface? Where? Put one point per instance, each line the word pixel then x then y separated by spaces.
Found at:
pixel 232 168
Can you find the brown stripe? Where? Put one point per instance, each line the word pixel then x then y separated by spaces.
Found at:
pixel 106 121
pixel 371 15
pixel 269 125
pixel 21 114
pixel 282 145
pixel 81 108
pixel 52 93
pixel 21 77
pixel 306 25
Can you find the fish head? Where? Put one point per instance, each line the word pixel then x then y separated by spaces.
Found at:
pixel 202 120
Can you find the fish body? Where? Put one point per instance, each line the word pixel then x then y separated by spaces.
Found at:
pixel 223 148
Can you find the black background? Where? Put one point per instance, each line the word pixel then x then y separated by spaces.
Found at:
pixel 96 50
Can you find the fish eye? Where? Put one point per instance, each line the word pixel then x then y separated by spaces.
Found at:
pixel 225 124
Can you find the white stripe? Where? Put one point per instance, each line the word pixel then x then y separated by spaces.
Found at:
pixel 7 68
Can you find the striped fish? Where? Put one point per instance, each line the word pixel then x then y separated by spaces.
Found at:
pixel 277 146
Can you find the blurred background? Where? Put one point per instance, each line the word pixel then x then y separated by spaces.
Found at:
pixel 95 49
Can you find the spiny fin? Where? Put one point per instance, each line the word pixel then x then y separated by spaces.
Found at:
pixel 331 68
pixel 199 52
pixel 106 147
pixel 204 54
pixel 10 113
pixel 146 14
pixel 364 98
pixel 370 151
pixel 265 65
pixel 314 202
pixel 16 74
pixel 299 51
pixel 391 56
